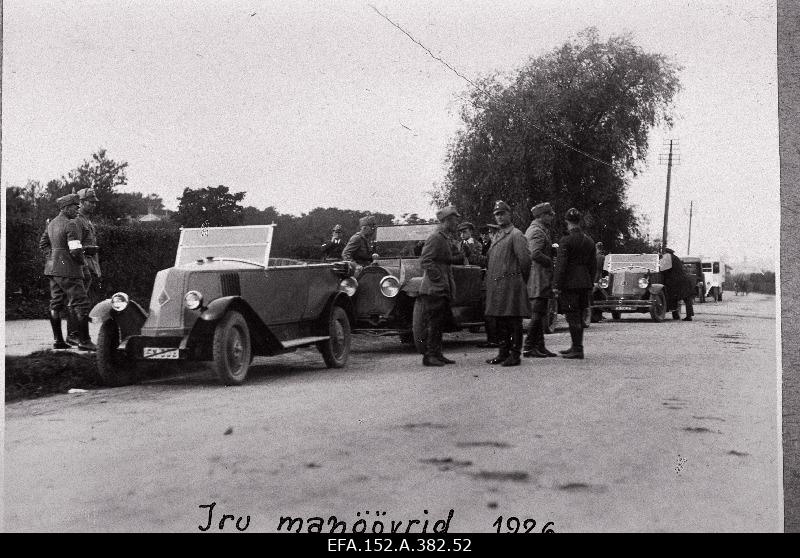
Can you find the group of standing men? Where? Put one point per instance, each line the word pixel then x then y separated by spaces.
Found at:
pixel 521 278
pixel 70 246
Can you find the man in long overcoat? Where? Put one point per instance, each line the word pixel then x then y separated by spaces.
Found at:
pixel 64 266
pixel 508 266
pixel 678 284
pixel 359 247
pixel 438 286
pixel 576 265
pixel 540 281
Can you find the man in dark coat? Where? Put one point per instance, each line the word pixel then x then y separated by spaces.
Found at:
pixel 64 266
pixel 540 281
pixel 91 265
pixel 678 284
pixel 359 247
pixel 333 250
pixel 576 265
pixel 438 286
pixel 508 264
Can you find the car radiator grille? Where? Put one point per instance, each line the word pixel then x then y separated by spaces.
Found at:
pixel 626 284
pixel 230 284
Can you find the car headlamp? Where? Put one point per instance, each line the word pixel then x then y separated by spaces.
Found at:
pixel 603 283
pixel 643 282
pixel 193 300
pixel 119 301
pixel 348 286
pixel 390 286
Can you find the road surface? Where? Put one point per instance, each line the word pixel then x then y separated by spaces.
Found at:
pixel 663 427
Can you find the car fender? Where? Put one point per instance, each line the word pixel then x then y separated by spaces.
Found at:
pixel 336 299
pixel 130 320
pixel 656 288
pixel 264 340
pixel 411 286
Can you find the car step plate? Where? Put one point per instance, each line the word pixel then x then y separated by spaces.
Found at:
pixel 161 352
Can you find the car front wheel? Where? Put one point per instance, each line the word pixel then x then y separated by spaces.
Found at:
pixel 659 308
pixel 336 349
pixel 232 349
pixel 113 366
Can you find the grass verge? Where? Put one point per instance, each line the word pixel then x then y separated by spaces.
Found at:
pixel 48 372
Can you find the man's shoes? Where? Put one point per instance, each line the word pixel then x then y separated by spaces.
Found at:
pixel 60 346
pixel 73 340
pixel 534 353
pixel 687 319
pixel 546 352
pixel 499 359
pixel 511 360
pixel 565 351
pixel 432 361
pixel 445 359
pixel 577 353
pixel 87 345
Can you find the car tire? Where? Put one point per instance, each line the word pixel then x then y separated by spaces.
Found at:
pixel 418 329
pixel 114 367
pixel 659 310
pixel 616 316
pixel 336 349
pixel 232 349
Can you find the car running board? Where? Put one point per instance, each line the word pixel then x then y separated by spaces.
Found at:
pixel 294 343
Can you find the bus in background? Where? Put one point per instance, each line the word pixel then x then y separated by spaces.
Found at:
pixel 714 276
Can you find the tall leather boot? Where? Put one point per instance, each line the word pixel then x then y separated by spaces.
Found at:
pixel 83 334
pixel 576 333
pixel 515 342
pixel 55 325
pixel 501 330
pixel 73 336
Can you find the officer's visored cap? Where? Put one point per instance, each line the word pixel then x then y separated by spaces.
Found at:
pixel 573 215
pixel 446 212
pixel 337 228
pixel 87 194
pixel 466 225
pixel 368 220
pixel 68 200
pixel 499 206
pixel 542 209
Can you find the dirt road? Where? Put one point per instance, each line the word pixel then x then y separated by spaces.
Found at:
pixel 663 427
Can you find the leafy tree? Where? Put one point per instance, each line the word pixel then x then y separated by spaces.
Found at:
pixel 571 127
pixel 211 207
pixel 413 219
pixel 103 175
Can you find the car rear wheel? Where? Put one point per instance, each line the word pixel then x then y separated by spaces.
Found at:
pixel 114 367
pixel 659 308
pixel 232 349
pixel 336 349
pixel 418 327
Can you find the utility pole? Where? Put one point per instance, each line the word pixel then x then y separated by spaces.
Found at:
pixel 689 245
pixel 671 159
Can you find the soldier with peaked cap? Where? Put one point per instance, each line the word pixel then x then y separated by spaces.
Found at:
pixel 540 281
pixel 438 287
pixel 333 249
pixel 573 280
pixel 466 232
pixel 508 266
pixel 359 247
pixel 91 267
pixel 64 266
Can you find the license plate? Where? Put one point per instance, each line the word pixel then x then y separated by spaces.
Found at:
pixel 624 308
pixel 160 352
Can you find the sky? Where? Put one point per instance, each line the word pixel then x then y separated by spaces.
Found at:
pixel 325 104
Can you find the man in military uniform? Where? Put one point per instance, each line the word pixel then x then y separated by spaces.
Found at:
pixel 359 247
pixel 539 283
pixel 466 231
pixel 91 267
pixel 64 266
pixel 678 284
pixel 333 249
pixel 508 264
pixel 576 264
pixel 438 286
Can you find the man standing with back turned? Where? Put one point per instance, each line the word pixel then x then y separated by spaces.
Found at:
pixel 438 287
pixel 576 264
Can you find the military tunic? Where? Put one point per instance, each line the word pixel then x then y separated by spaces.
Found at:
pixel 60 241
pixel 358 249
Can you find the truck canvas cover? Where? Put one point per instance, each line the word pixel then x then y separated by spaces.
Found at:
pixel 248 243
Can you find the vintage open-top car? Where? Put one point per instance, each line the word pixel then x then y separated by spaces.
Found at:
pixel 385 302
pixel 225 301
pixel 633 285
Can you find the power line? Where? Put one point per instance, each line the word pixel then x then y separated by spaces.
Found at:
pixel 482 90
